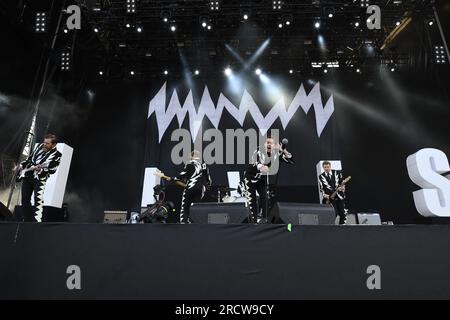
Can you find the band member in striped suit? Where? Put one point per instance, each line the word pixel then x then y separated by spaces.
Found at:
pixel 34 172
pixel 329 182
pixel 197 178
pixel 258 179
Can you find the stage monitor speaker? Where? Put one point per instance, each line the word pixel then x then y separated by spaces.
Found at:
pixel 5 214
pixel 303 213
pixel 218 213
pixel 365 218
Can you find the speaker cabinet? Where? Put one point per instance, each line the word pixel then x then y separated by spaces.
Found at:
pixel 302 213
pixel 218 213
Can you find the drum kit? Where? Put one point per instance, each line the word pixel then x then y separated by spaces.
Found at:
pixel 222 194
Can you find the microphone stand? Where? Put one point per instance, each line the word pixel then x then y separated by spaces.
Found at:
pixel 267 198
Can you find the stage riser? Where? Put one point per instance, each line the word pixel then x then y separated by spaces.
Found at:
pixel 223 261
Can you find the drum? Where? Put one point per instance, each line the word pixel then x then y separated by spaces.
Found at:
pixel 228 199
pixel 240 199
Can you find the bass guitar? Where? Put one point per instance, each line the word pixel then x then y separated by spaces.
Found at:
pixel 333 195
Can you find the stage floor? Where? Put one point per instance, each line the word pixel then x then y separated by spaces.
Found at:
pixel 45 261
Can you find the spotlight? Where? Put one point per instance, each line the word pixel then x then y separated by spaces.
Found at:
pixel 358 70
pixel 287 19
pixel 325 70
pixel 139 29
pixel 173 28
pixel 209 27
pixel 280 25
pixel 317 24
pixel 356 24
pixel 330 15
pixel 291 71
pixel 165 15
pixel 95 29
pixel 166 72
pixel 196 72
pixel 397 23
pixel 245 16
pixel 258 71
pixel 392 66
pixel 132 72
pixel 204 21
pixel 227 71
pixel 127 25
pixel 100 73
pixel 66 30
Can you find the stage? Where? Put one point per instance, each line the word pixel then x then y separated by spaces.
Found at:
pixel 223 262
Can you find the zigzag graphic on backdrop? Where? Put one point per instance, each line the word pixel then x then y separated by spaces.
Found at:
pixel 207 109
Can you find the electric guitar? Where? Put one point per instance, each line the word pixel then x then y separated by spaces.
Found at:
pixel 163 176
pixel 333 195
pixel 24 173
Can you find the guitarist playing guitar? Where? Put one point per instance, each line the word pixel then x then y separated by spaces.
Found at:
pixel 195 177
pixel 332 187
pixel 34 172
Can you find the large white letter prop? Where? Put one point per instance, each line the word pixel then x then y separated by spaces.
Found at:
pixel 425 168
pixel 56 183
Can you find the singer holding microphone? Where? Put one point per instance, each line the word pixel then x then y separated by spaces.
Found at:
pixel 259 178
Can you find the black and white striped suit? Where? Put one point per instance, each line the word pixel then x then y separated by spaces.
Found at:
pixel 196 175
pixel 257 182
pixel 328 184
pixel 35 181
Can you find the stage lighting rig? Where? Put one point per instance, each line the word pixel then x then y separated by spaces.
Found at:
pixel 66 60
pixel 277 4
pixel 41 22
pixel 214 5
pixel 364 3
pixel 439 57
pixel 131 6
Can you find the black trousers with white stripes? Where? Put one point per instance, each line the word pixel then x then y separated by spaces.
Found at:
pixel 30 186
pixel 189 197
pixel 339 209
pixel 259 209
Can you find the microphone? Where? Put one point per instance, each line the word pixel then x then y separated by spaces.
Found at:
pixel 284 143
